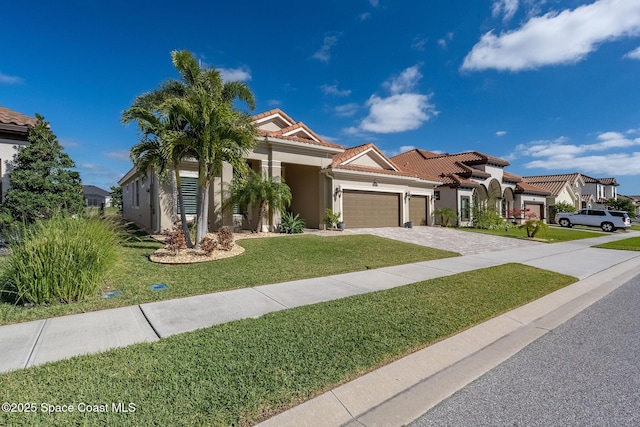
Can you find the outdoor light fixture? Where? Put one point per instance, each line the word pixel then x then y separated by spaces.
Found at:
pixel 408 195
pixel 338 192
pixel 375 182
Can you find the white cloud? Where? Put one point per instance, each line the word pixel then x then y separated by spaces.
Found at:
pixel 324 53
pixel 235 74
pixel 119 155
pixel 403 110
pixel 274 102
pixel 443 42
pixel 419 44
pixel 607 156
pixel 617 164
pixel 507 8
pixel 374 3
pixel 347 110
pixel 634 54
pixel 69 143
pixel 399 150
pixel 405 81
pixel 537 42
pixel 334 90
pixel 364 16
pixel 501 133
pixel 10 80
pixel 397 113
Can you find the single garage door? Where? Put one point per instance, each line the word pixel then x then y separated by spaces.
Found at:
pixel 369 209
pixel 534 209
pixel 418 210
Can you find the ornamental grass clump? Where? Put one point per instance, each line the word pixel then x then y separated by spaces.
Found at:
pixel 60 260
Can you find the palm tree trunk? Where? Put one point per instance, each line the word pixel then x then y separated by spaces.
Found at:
pixel 202 211
pixel 261 210
pixel 183 215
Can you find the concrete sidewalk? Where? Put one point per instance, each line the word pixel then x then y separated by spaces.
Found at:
pixel 32 343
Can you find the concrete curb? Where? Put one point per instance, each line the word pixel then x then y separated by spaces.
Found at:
pixel 402 391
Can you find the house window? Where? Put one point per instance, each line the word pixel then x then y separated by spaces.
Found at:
pixel 189 187
pixel 137 194
pixel 465 208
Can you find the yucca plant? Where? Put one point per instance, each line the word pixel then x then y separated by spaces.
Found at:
pixel 291 224
pixel 62 259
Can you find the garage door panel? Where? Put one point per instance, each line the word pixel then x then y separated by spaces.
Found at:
pixel 534 209
pixel 418 210
pixel 370 209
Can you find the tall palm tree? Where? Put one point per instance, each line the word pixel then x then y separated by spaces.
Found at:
pixel 259 190
pixel 160 145
pixel 216 131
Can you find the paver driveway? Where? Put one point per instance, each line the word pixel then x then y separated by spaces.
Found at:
pixel 463 242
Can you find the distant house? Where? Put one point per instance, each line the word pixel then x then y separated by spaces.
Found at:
pixel 602 189
pixel 95 196
pixel 635 200
pixel 14 132
pixel 474 177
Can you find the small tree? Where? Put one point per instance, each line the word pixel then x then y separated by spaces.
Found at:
pixel 116 197
pixel 43 183
pixel 622 204
pixel 262 191
pixel 446 215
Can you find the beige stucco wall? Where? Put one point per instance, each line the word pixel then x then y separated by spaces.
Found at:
pixel 7 151
pixel 304 182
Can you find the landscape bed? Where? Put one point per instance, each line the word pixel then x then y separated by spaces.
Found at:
pixel 245 371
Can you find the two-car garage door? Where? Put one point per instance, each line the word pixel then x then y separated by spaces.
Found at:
pixel 370 209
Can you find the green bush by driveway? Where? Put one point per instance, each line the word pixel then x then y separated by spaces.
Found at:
pixel 242 372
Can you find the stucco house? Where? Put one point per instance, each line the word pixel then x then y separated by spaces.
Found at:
pixel 14 132
pixel 96 196
pixel 578 189
pixel 366 187
pixel 473 176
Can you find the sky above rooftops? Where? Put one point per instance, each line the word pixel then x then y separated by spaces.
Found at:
pixel 550 85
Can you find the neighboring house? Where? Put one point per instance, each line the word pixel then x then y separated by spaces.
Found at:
pixel 361 183
pixel 14 132
pixel 95 196
pixel 474 177
pixel 562 188
pixel 602 190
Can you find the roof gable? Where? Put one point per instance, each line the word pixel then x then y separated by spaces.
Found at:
pixel 10 117
pixel 366 155
pixel 277 124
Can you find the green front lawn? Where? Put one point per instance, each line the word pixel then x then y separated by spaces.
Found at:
pixel 265 261
pixel 631 244
pixel 635 227
pixel 552 235
pixel 245 371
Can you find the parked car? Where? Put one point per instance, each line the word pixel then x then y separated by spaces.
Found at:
pixel 605 219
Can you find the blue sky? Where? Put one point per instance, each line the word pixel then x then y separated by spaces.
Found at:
pixel 551 85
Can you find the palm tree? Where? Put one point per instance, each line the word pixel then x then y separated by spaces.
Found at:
pixel 215 131
pixel 160 144
pixel 259 190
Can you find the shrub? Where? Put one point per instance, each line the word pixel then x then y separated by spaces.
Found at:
pixel 62 259
pixel 208 245
pixel 225 238
pixel 291 224
pixel 446 215
pixel 331 218
pixel 487 219
pixel 533 227
pixel 565 207
pixel 175 239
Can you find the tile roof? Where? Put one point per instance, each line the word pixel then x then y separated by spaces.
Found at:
pixel 11 117
pixel 510 177
pixel 340 158
pixel 586 197
pixel 608 181
pixel 292 126
pixel 553 178
pixel 523 187
pixel 554 188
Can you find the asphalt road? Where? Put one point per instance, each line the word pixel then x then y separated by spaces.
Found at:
pixel 584 373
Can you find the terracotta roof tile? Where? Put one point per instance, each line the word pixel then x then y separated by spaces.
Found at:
pixel 608 181
pixel 510 177
pixel 553 178
pixel 293 126
pixel 523 187
pixel 8 116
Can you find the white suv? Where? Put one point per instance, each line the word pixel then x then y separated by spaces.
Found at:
pixel 605 219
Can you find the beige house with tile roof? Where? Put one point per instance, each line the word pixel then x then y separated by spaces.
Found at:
pixel 14 132
pixel 474 177
pixel 361 183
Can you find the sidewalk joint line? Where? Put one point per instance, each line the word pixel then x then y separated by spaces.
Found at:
pixel 35 344
pixel 345 408
pixel 270 297
pixel 153 328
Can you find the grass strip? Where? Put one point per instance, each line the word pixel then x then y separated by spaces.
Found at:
pixel 245 371
pixel 630 244
pixel 552 235
pixel 265 261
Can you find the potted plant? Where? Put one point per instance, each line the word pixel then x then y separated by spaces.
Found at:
pixel 340 225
